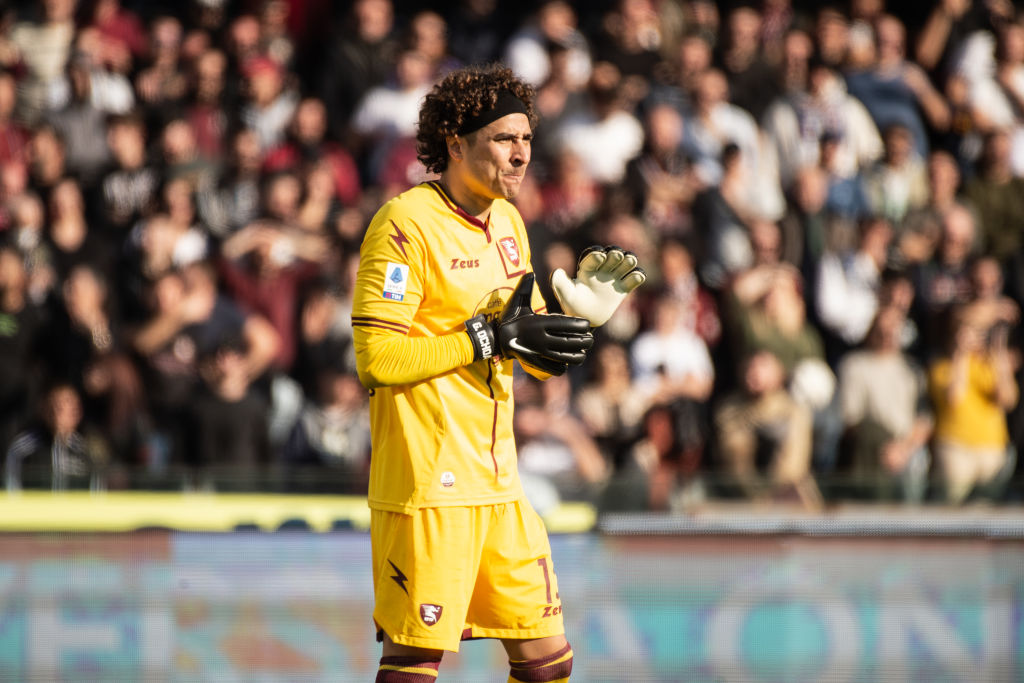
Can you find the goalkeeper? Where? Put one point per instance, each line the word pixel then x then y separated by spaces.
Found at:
pixel 445 299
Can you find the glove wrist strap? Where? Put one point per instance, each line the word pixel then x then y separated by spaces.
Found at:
pixel 481 334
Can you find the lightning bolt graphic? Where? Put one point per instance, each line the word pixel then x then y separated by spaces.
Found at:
pixel 399 577
pixel 400 239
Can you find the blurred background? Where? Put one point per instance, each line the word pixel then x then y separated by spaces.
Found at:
pixel 792 456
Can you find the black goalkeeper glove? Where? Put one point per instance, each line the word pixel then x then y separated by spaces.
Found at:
pixel 549 343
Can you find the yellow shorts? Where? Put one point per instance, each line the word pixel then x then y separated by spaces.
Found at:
pixel 442 575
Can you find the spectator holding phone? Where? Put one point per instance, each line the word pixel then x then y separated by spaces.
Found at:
pixel 972 387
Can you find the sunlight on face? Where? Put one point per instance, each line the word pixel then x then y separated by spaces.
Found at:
pixel 496 157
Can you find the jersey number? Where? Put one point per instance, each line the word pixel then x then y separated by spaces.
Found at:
pixel 543 562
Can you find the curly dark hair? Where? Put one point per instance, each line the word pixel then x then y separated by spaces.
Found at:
pixel 462 95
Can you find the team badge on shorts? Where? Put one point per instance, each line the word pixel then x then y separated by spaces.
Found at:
pixel 511 249
pixel 396 277
pixel 430 614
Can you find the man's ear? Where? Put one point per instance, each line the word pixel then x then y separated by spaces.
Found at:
pixel 455 144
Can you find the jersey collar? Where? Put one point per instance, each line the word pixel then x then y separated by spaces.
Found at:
pixel 459 211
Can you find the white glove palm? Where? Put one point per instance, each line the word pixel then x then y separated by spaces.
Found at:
pixel 604 276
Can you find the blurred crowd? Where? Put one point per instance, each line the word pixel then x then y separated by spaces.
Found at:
pixel 828 200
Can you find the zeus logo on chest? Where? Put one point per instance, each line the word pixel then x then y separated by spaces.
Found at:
pixel 458 264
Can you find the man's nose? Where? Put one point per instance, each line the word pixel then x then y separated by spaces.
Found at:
pixel 520 153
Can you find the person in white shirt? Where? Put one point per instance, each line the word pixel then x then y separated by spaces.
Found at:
pixel 846 295
pixel 604 135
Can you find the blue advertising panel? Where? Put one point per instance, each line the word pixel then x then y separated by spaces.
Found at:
pixel 291 607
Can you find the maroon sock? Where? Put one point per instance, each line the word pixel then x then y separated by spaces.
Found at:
pixel 554 667
pixel 407 670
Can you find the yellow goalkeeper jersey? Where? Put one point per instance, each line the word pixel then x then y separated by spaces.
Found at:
pixel 441 424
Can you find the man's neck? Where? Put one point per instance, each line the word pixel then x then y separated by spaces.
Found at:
pixel 472 203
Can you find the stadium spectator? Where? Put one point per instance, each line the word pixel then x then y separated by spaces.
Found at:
pixel 282 197
pixel 179 156
pixel 227 420
pixel 1009 82
pixel 69 240
pixel 558 457
pixel 560 95
pixel 14 136
pixel 972 385
pixel 81 122
pixel 325 329
pixel 58 452
pixel 84 344
pixel 232 198
pixel 630 39
pixel 428 35
pixel 714 123
pixel 847 285
pixel 331 434
pixel 817 220
pixel 319 204
pixel 162 82
pixel 917 235
pixel 888 423
pixel 263 267
pixel 361 55
pixel 306 143
pixel 847 195
pixel 662 474
pixel 609 403
pixel 678 280
pixel 997 194
pixel 832 35
pixel 242 41
pixel 895 91
pixel 777 20
pixel 765 310
pixel 269 102
pixel 209 111
pixel 570 197
pixel 20 332
pixel 189 318
pixel 88 78
pixel 673 369
pixel 275 32
pixel 129 188
pixel 684 66
pixel 661 181
pixel 943 281
pixel 800 120
pixel 672 364
pixel 723 224
pixel 122 33
pixel 761 423
pixel 753 79
pixel 477 30
pixel 606 134
pixel 39 47
pixel 794 61
pixel 385 116
pixel 988 306
pixel 47 161
pixel 898 182
pixel 529 50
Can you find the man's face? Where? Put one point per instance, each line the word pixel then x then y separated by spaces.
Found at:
pixel 496 156
pixel 128 145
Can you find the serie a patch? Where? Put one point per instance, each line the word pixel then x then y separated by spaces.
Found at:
pixel 396 278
